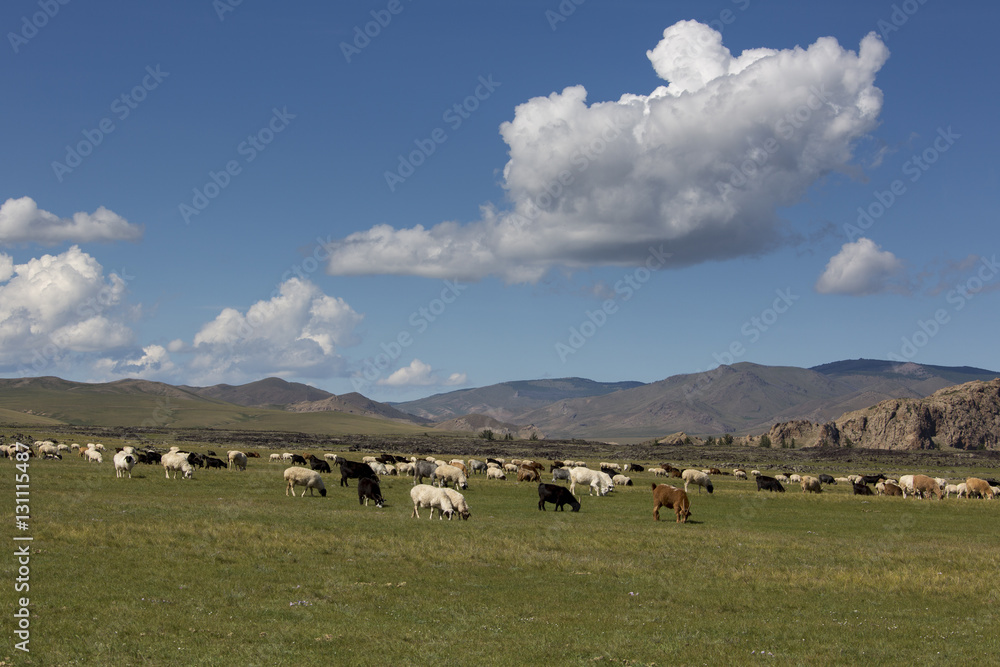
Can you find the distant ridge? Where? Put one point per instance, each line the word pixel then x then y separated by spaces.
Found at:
pixel 355 403
pixel 267 392
pixel 509 401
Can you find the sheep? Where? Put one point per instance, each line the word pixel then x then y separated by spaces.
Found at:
pixel 510 467
pixel 950 489
pixel 590 478
pixel 495 473
pixel 298 476
pixel 422 469
pixel 123 464
pixel 979 486
pixel 46 448
pixel 811 484
pixel 782 478
pixel 177 462
pixel 525 474
pixel 460 465
pixel 237 460
pixel 622 480
pixel 740 474
pixel 963 490
pixel 756 473
pixel 692 476
pixel 458 502
pixel 286 456
pixel 369 459
pixel 659 472
pixel 449 473
pixel 330 457
pixel 93 456
pixel 476 466
pixel 671 497
pixel 841 480
pixel 795 479
pixel 425 495
pixel 403 468
pixel 378 468
pixel 560 473
pixel 274 458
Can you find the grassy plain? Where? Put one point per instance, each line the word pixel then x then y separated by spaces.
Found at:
pixel 225 569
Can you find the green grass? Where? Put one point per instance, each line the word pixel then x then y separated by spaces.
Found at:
pixel 225 569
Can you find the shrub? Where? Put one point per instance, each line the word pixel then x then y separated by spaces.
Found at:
pixel 486 434
pixel 765 441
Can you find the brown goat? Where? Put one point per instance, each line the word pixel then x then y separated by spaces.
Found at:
pixel 671 497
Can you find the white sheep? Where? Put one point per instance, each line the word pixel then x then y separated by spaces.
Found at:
pixel 368 459
pixel 963 490
pixel 124 462
pixel 447 473
pixel 458 502
pixel 782 478
pixel 286 456
pixel 177 462
pixel 755 473
pixel 93 456
pixel 697 477
pixel 795 479
pixel 299 476
pixel 621 480
pixel 659 472
pixel 404 468
pixel 378 468
pixel 274 458
pixel 739 474
pixel 495 473
pixel 328 456
pixel 425 495
pixel 590 478
pixel 843 480
pixel 237 460
pixel 950 489
pixel 46 448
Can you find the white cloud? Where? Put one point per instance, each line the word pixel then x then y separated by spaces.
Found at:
pixel 153 363
pixel 55 305
pixel 696 169
pixel 861 268
pixel 419 374
pixel 298 332
pixel 21 221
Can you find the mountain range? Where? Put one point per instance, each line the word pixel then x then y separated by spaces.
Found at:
pixel 742 398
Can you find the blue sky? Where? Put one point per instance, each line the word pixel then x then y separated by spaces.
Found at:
pixel 403 198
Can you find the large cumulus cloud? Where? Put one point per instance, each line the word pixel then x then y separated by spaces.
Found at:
pixel 697 168
pixel 56 305
pixel 300 331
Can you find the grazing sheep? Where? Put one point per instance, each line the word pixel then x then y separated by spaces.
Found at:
pixel 425 495
pixel 46 448
pixel 673 498
pixel 177 462
pixel 890 489
pixel 237 460
pixel 378 468
pixel 782 478
pixel 841 480
pixel 458 502
pixel 274 458
pixel 861 489
pixel 369 459
pixel 740 474
pixel 981 487
pixel 123 464
pixel 811 484
pixel 93 456
pixel 525 474
pixel 495 473
pixel 659 472
pixel 590 478
pixel 692 476
pixel 476 466
pixel 560 474
pixel 950 489
pixel 299 476
pixel 449 473
pixel 794 479
pixel 621 480
pixel 756 473
pixel 510 467
pixel 423 469
pixel 924 485
pixel 557 495
pixel 403 468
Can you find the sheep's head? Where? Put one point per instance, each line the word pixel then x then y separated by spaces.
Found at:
pixel 322 492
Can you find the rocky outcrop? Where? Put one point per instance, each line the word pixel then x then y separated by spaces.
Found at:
pixel 965 416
